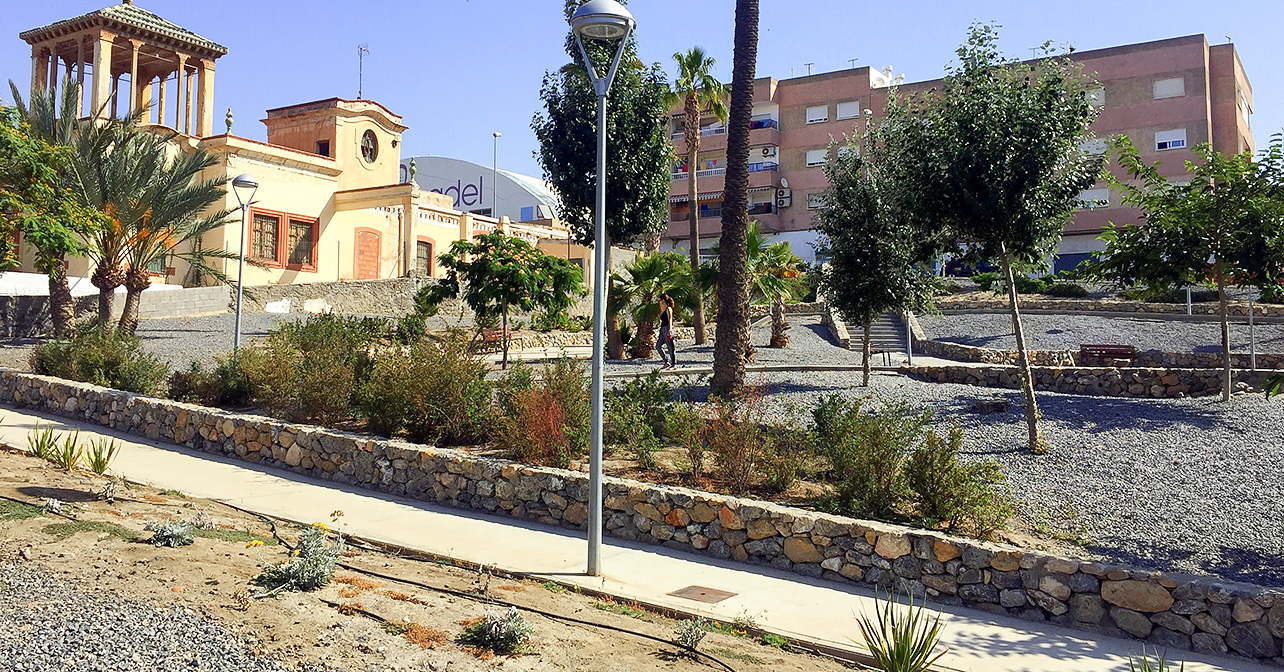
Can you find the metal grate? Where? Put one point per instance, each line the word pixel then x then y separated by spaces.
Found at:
pixel 702 594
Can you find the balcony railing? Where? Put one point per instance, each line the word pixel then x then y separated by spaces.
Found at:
pixel 764 123
pixel 762 208
pixel 705 213
pixel 763 165
pixel 718 130
pixel 707 172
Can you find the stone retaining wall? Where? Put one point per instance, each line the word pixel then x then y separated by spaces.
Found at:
pixel 1205 360
pixel 970 353
pixel 1169 610
pixel 393 296
pixel 1154 359
pixel 988 301
pixel 1103 381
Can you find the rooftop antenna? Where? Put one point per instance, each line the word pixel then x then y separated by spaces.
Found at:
pixel 853 62
pixel 362 50
pixel 809 68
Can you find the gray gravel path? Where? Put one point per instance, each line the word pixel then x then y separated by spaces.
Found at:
pixel 1053 332
pixel 47 626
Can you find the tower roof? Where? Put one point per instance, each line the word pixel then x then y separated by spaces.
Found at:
pixel 129 20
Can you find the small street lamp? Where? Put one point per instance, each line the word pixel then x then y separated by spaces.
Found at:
pixel 243 183
pixel 494 177
pixel 609 21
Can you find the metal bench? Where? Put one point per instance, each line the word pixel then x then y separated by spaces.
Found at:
pixel 1106 353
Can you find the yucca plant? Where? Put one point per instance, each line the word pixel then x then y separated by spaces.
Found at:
pixel 67 456
pixel 1160 665
pixel 41 442
pixel 902 638
pixel 100 454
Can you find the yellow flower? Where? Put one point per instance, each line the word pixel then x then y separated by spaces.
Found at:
pixel 321 526
pixel 294 553
pixel 254 544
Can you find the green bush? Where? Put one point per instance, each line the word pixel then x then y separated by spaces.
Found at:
pixel 1027 285
pixel 650 397
pixel 985 281
pixel 556 321
pixel 546 422
pixel 784 459
pixel 867 453
pixel 964 497
pixel 504 632
pixel 1067 290
pixel 310 566
pixel 225 385
pixel 435 390
pixel 410 329
pixel 683 426
pixel 1151 295
pixel 170 533
pixel 102 356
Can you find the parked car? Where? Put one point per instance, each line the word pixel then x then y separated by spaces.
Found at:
pixel 958 268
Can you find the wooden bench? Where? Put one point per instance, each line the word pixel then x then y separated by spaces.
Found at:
pixel 491 340
pixel 1105 353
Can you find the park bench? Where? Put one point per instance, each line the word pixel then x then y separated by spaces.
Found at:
pixel 491 340
pixel 1106 354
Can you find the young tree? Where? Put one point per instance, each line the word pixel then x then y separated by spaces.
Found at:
pixel 877 255
pixel 699 93
pixel 638 293
pixel 638 150
pixel 1226 224
pixel 733 281
pixel 496 274
pixel 993 157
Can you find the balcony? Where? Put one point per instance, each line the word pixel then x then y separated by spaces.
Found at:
pixel 707 172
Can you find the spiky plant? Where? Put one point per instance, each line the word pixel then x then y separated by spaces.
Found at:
pixel 100 454
pixel 902 638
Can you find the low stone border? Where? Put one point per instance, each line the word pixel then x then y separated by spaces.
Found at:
pixel 1104 381
pixel 970 353
pixel 980 301
pixel 1170 610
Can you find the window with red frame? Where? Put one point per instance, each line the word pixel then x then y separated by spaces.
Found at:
pixel 284 240
pixel 265 238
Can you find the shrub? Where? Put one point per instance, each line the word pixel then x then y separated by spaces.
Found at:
pixel 101 356
pixel 651 397
pixel 685 427
pixel 902 638
pixel 1027 285
pixel 1152 295
pixel 784 459
pixel 41 442
pixel 632 433
pixel 985 281
pixel 734 435
pixel 410 328
pixel 690 633
pixel 100 454
pixel 170 533
pixel 867 453
pixel 555 321
pixel 1272 294
pixel 67 456
pixel 435 390
pixel 310 566
pixel 546 422
pixel 504 632
pixel 1067 290
pixel 964 497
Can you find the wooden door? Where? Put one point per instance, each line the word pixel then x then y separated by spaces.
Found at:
pixel 367 255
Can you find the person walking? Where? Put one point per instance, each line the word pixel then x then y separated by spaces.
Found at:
pixel 668 352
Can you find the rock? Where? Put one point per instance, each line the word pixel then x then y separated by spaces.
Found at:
pixel 678 518
pixel 853 572
pixel 1048 603
pixel 1168 639
pixel 576 514
pixel 1084 583
pixel 977 558
pixel 1253 640
pixel 941 583
pixel 648 511
pixel 1205 621
pixel 979 592
pixel 832 564
pixel 1061 565
pixel 1203 642
pixel 892 546
pixel 1246 611
pixel 1054 587
pixel 1275 619
pixel 1087 608
pixel 989 406
pixel 294 456
pixel 1173 622
pixel 702 513
pixel 1006 561
pixel 1136 595
pixel 945 551
pixel 730 519
pixel 800 549
pixel 1132 622
pixel 1188 607
pixel 761 529
pixel 1013 597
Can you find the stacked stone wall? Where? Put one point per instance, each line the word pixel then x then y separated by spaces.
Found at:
pixel 1169 610
pixel 985 301
pixel 1104 381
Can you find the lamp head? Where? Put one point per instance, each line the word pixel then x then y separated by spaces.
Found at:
pixel 602 20
pixel 498 134
pixel 244 182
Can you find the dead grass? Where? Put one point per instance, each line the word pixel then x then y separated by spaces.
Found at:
pixel 72 527
pixel 425 636
pixel 359 583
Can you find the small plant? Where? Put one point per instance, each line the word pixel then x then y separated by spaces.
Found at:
pixel 171 534
pixel 1027 285
pixel 102 356
pixel 632 432
pixel 964 497
pixel 310 565
pixel 548 422
pixel 775 641
pixel 41 442
pixel 867 453
pixel 553 587
pixel 11 510
pixel 100 454
pixel 504 632
pixel 1144 664
pixel 985 281
pixel 690 633
pixel 67 455
pixel 685 427
pixel 902 638
pixel 1067 290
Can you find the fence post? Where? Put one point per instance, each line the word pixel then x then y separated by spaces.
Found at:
pixel 1188 309
pixel 909 340
pixel 1252 342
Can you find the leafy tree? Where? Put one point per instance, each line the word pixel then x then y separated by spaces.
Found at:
pixel 638 153
pixel 497 273
pixel 733 281
pixel 699 93
pixel 638 293
pixel 34 178
pixel 876 252
pixel 1226 223
pixel 993 157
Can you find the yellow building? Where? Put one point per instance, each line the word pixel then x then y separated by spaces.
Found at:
pixel 330 203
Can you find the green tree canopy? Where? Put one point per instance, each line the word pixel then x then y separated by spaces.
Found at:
pixel 636 292
pixel 638 153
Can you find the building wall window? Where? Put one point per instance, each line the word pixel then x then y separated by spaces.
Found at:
pixel 1094 199
pixel 264 239
pixel 1097 97
pixel 1173 87
pixel 849 109
pixel 817 157
pixel 323 147
pixel 284 241
pixel 423 257
pixel 815 201
pixel 1094 147
pixel 301 242
pixel 1174 139
pixel 818 114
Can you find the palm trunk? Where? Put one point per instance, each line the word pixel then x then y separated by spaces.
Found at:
pixel 614 344
pixel 866 351
pixel 62 312
pixel 106 278
pixel 1036 442
pixel 129 316
pixel 646 340
pixel 779 325
pixel 732 343
pixel 1223 310
pixel 692 133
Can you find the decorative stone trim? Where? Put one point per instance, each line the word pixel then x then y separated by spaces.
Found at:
pixel 1172 610
pixel 1103 381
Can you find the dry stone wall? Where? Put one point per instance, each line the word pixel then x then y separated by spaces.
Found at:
pixel 1169 610
pixel 993 302
pixel 970 353
pixel 1104 381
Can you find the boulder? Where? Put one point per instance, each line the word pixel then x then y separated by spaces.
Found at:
pixel 1142 596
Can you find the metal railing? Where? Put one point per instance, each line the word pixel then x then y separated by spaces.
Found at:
pixel 707 172
pixel 763 165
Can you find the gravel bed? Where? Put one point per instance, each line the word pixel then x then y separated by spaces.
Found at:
pixel 46 625
pixel 1068 332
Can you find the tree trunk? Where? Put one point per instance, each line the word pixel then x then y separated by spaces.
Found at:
pixel 62 313
pixel 106 277
pixel 691 128
pixel 614 344
pixel 136 281
pixel 503 338
pixel 866 351
pixel 646 340
pixel 1223 310
pixel 1036 442
pixel 732 341
pixel 779 324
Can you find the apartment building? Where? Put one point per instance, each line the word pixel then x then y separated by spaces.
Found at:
pixel 1167 96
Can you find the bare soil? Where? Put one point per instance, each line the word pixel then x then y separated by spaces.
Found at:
pixel 99 546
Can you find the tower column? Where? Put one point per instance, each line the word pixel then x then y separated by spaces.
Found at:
pixel 53 75
pixel 160 104
pixel 102 87
pixel 190 76
pixel 134 89
pixel 80 76
pixel 205 99
pixel 39 68
pixel 178 93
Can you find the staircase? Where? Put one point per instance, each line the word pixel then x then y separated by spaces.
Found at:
pixel 886 334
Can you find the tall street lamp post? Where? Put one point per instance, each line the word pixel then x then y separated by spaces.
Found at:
pixel 243 183
pixel 608 21
pixel 494 178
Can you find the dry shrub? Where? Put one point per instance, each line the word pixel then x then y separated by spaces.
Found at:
pixel 513 589
pixel 349 591
pixel 425 636
pixel 546 422
pixel 733 433
pixel 359 582
pixel 350 608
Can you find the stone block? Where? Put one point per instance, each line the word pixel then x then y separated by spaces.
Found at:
pixel 1136 595
pixel 1131 622
pixel 1253 640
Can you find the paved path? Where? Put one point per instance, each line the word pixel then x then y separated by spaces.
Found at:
pixel 806 610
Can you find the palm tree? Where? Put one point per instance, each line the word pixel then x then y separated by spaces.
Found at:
pixel 770 268
pixel 699 92
pixel 733 285
pixel 638 294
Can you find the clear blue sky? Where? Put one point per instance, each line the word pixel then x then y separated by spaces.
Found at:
pixel 457 70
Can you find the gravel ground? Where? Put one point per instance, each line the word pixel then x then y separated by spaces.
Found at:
pixel 46 625
pixel 1059 332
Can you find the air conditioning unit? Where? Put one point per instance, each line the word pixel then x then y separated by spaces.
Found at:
pixel 784 198
pixel 769 152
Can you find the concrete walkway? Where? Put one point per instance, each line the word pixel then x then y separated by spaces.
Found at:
pixel 805 610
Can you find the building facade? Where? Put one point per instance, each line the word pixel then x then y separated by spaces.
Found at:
pixel 1167 96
